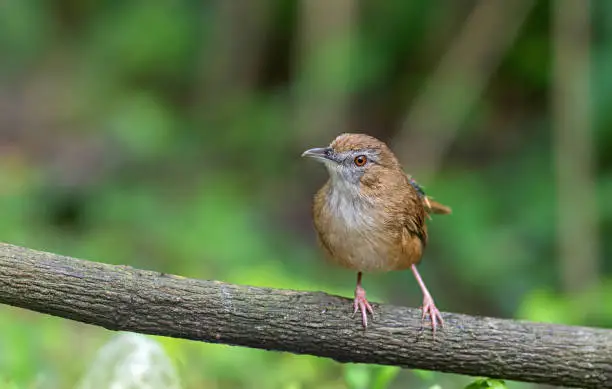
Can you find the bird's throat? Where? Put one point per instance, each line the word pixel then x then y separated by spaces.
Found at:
pixel 348 206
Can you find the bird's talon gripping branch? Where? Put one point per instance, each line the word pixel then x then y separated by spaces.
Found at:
pixel 361 303
pixel 430 310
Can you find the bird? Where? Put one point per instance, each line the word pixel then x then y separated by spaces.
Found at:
pixel 370 216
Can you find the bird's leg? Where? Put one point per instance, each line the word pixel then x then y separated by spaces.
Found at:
pixel 429 308
pixel 360 303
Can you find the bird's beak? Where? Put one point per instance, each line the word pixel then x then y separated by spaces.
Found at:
pixel 322 153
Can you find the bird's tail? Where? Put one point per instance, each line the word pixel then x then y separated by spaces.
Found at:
pixel 432 206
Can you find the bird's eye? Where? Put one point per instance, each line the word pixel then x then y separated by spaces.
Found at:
pixel 361 160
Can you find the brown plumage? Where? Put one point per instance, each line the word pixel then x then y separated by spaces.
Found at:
pixel 370 216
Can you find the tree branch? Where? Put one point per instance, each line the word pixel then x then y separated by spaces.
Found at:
pixel 123 298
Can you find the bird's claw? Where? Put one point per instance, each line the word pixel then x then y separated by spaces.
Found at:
pixel 361 304
pixel 429 309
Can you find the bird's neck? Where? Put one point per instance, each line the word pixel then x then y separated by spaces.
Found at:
pixel 348 205
pixel 340 186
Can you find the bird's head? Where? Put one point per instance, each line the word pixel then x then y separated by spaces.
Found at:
pixel 355 160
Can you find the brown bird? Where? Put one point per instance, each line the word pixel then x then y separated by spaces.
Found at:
pixel 370 215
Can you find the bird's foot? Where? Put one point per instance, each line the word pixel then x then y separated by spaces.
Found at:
pixel 361 304
pixel 429 309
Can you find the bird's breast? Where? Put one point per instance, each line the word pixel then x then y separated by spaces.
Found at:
pixel 353 231
pixel 354 213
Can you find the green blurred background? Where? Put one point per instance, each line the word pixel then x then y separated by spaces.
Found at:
pixel 166 135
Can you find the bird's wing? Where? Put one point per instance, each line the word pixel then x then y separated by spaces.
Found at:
pixel 413 218
pixel 415 226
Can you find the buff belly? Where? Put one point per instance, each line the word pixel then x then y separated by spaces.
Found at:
pixel 353 241
pixel 361 254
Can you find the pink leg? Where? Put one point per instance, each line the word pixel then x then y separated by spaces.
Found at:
pixel 360 303
pixel 429 308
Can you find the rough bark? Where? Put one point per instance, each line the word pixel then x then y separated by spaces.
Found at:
pixel 123 298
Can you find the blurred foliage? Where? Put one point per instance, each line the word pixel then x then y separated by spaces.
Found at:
pixel 484 383
pixel 142 134
pixel 369 377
